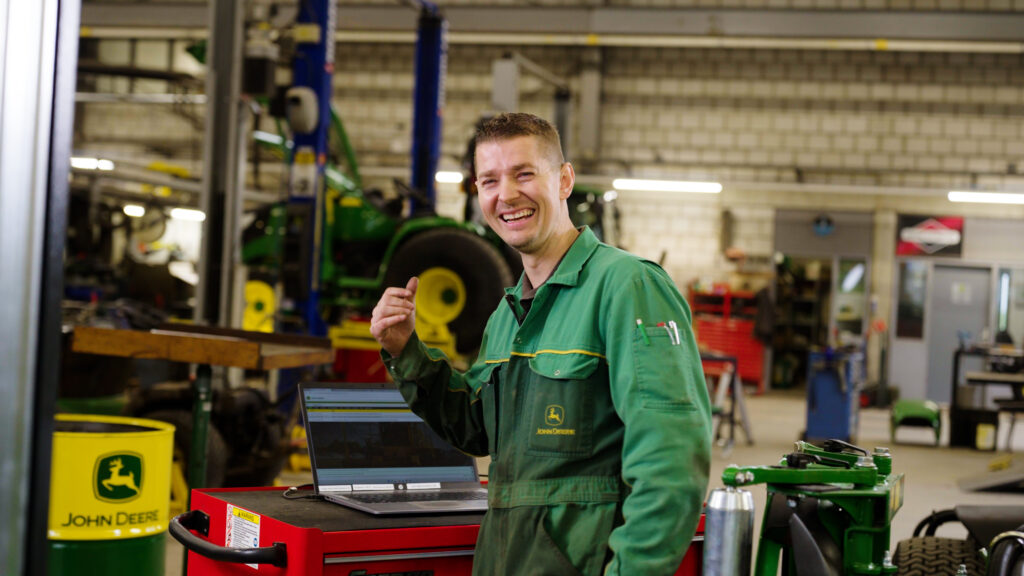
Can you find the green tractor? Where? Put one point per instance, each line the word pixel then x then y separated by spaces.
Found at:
pixel 369 245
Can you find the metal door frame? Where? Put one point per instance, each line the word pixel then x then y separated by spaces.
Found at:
pixel 38 60
pixel 931 262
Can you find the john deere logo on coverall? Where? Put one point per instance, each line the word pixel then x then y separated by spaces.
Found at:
pixel 554 415
pixel 118 477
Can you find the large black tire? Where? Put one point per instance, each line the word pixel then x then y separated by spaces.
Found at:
pixel 264 463
pixel 476 262
pixel 934 556
pixel 216 448
pixel 267 470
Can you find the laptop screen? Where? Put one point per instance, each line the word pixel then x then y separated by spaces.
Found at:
pixel 367 437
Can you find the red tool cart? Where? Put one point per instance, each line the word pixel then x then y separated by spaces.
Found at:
pixel 272 535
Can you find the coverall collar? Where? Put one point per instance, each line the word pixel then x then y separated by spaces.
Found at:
pixel 568 271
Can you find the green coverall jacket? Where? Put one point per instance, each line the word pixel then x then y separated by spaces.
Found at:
pixel 598 429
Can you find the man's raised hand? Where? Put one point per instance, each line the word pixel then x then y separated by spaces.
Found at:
pixel 394 317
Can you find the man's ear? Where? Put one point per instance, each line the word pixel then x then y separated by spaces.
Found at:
pixel 566 180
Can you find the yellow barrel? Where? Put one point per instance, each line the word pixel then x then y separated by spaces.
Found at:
pixel 109 494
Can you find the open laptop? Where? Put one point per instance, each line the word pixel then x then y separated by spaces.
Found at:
pixel 368 451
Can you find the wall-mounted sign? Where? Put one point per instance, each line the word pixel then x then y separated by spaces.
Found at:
pixel 929 235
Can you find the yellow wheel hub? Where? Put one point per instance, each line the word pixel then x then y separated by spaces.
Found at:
pixel 259 307
pixel 441 296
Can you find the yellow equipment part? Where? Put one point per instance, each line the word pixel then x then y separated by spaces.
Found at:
pixel 259 307
pixel 299 459
pixel 355 335
pixel 440 297
pixel 179 490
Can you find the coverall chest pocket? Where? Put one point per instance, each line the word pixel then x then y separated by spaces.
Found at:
pixel 560 404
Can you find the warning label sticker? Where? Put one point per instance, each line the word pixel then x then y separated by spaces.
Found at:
pixel 242 530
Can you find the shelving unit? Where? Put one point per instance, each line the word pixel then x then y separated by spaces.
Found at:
pixel 725 303
pixel 803 304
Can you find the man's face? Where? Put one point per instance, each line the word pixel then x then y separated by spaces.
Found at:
pixel 522 192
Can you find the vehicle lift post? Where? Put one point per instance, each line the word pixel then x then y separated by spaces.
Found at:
pixel 428 102
pixel 313 69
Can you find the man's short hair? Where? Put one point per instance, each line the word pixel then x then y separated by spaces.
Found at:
pixel 510 125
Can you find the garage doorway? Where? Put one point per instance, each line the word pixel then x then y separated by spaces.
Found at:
pixel 959 303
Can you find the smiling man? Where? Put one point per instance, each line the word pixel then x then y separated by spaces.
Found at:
pixel 587 394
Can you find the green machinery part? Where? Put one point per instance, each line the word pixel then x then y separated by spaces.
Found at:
pixel 847 496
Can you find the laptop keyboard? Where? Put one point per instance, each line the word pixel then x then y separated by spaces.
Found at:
pixel 414 496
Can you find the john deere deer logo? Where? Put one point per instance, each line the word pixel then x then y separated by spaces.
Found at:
pixel 118 477
pixel 554 415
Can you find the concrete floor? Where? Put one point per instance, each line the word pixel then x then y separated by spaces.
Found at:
pixel 778 417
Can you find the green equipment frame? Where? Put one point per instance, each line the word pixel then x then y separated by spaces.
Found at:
pixel 845 496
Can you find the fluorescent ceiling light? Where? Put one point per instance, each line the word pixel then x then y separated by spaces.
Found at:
pixel 667 186
pixel 187 214
pixel 134 210
pixel 448 177
pixel 267 138
pixel 986 197
pixel 85 163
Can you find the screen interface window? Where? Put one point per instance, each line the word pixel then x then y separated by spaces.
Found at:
pixel 370 440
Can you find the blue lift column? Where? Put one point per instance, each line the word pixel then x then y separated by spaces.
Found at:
pixel 428 103
pixel 311 77
pixel 308 106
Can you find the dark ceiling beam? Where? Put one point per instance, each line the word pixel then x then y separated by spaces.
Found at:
pixel 838 24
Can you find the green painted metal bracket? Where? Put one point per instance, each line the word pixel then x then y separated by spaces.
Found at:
pixel 813 474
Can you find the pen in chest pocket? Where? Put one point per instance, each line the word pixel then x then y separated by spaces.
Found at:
pixel 672 330
pixel 643 332
pixel 675 330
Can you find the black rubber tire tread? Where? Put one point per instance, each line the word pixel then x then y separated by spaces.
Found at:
pixel 935 556
pixel 216 448
pixel 478 263
pixel 268 467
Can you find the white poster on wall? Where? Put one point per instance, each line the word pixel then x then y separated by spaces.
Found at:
pixel 961 293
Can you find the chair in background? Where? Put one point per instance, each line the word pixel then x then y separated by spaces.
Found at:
pixel 922 413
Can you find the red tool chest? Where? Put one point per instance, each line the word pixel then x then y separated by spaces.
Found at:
pixel 315 538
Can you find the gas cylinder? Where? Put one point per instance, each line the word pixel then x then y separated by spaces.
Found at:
pixel 728 532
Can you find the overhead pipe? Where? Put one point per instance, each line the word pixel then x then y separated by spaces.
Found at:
pixel 609 40
pixel 666 41
pixel 114 98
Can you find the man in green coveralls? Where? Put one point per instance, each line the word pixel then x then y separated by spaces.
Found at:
pixel 587 394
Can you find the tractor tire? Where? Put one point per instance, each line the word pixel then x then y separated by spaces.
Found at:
pixel 480 266
pixel 216 448
pixel 267 461
pixel 934 556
